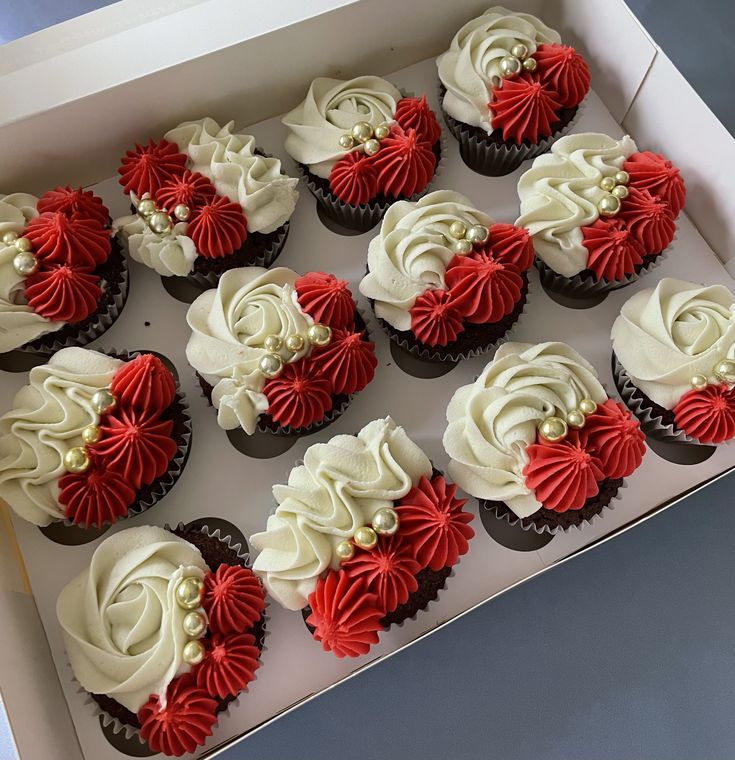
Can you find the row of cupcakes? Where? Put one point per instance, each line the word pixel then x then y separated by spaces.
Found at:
pixel 95 437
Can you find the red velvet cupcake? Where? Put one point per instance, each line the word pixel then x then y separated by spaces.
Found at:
pixel 360 145
pixel 63 278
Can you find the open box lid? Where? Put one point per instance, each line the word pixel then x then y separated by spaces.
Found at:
pixel 106 79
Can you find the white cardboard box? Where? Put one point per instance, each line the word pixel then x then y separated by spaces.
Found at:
pixel 75 96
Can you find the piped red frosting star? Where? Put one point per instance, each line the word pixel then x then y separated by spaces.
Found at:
pixel 436 319
pixel 707 415
pixel 233 599
pixel 524 109
pixel 146 168
pixel 229 664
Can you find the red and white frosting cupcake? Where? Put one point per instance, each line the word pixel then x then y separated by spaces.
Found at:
pixel 365 535
pixel 446 280
pixel 277 351
pixel 537 438
pixel 92 438
pixel 61 282
pixel 674 352
pixel 206 200
pixel 600 211
pixel 361 142
pixel 164 630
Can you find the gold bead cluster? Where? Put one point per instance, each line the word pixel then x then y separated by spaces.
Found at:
pixel 271 364
pixel 465 237
pixel 555 429
pixel 724 372
pixel 385 523
pixel 76 459
pixel 615 187
pixel 363 133
pixel 24 262
pixel 189 594
pixel 518 61
pixel 157 219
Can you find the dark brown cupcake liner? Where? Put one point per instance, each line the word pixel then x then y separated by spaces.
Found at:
pixel 549 521
pixel 656 421
pixel 259 250
pixel 149 496
pixel 474 341
pixel 585 286
pixel 365 217
pixel 114 273
pixel 493 157
pixel 268 426
pixel 116 717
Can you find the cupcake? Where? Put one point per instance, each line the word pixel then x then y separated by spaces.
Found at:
pixel 446 282
pixel 164 630
pixel 364 536
pixel 62 281
pixel 674 361
pixel 537 440
pixel 279 353
pixel 360 145
pixel 600 213
pixel 508 89
pixel 206 200
pixel 93 438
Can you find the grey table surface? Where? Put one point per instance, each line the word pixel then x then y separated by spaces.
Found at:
pixel 624 653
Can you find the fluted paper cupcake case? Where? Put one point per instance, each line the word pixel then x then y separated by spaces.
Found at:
pixel 439 354
pixel 340 405
pixel 223 711
pixel 496 159
pixel 97 323
pixel 206 280
pixel 365 217
pixel 503 512
pixel 148 496
pixel 652 423
pixel 584 285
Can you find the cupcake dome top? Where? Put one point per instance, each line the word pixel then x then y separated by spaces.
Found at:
pixel 677 343
pixel 536 429
pixel 83 435
pixel 338 489
pixel 429 248
pixel 364 137
pixel 50 248
pixel 206 188
pixel 597 203
pixel 509 71
pixel 273 341
pixel 142 625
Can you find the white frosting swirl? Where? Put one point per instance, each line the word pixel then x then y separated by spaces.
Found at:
pixel 229 326
pixel 122 626
pixel 46 420
pixel 560 194
pixel 337 489
pixel 494 419
pixel 471 66
pixel 171 254
pixel 411 252
pixel 18 322
pixel 667 334
pixel 331 108
pixel 268 198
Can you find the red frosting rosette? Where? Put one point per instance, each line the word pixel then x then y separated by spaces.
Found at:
pixel 234 601
pixel 133 445
pixel 399 164
pixel 708 415
pixel 564 475
pixel 397 576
